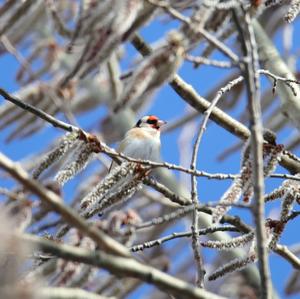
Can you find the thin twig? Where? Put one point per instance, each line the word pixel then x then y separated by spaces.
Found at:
pixel 194 196
pixel 252 84
pixel 11 49
pixel 194 227
pixel 200 232
pixel 180 213
pixel 202 60
pixel 59 24
pixel 198 30
pixel 166 192
pixel 43 115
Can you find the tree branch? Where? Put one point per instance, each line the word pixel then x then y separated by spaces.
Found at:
pixel 174 235
pixel 288 255
pixel 50 293
pixel 41 114
pixel 121 266
pixel 253 90
pixel 69 215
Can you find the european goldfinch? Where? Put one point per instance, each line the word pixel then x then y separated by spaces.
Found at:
pixel 140 142
pixel 143 140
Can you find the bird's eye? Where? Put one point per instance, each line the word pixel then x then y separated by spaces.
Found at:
pixel 152 121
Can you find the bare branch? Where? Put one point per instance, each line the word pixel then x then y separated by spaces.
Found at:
pixel 252 83
pixel 67 213
pixel 122 267
pixel 284 252
pixel 43 115
pixel 175 235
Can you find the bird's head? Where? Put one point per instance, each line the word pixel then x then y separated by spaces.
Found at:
pixel 150 121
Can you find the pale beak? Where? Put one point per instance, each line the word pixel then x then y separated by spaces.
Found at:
pixel 161 122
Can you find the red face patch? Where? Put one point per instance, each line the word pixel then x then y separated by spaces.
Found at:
pixel 153 117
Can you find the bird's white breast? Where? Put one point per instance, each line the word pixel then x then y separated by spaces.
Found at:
pixel 145 147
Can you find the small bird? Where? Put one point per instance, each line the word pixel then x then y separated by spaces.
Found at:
pixel 140 142
pixel 143 140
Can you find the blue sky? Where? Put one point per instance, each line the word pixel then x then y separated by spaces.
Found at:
pixel 168 105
